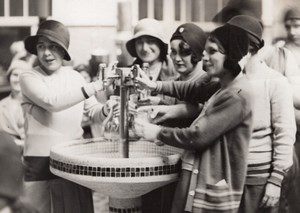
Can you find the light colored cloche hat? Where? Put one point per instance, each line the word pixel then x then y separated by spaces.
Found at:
pixel 55 32
pixel 147 27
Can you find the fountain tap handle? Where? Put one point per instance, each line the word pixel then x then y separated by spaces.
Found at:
pixel 135 73
pixel 114 66
pixel 102 74
pixel 102 71
pixel 145 68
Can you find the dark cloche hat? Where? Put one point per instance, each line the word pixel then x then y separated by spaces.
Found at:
pixel 233 40
pixel 55 32
pixel 292 13
pixel 251 25
pixel 193 35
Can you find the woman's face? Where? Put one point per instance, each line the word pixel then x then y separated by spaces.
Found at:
pixel 293 30
pixel 213 60
pixel 50 55
pixel 14 79
pixel 147 48
pixel 181 55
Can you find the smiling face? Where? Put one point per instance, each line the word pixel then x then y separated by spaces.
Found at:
pixel 181 55
pixel 148 49
pixel 213 60
pixel 50 55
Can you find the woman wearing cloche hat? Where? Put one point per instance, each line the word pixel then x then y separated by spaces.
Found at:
pixel 215 145
pixel 274 126
pixel 187 45
pixel 54 99
pixel 150 46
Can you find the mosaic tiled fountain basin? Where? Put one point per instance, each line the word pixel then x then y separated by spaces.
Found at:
pixel 96 164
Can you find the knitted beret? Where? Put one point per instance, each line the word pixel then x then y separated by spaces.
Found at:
pixel 193 35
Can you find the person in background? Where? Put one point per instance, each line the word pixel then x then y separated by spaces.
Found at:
pixel 18 51
pixel 271 145
pixel 11 177
pixel 149 45
pixel 292 25
pixel 216 144
pixel 54 100
pixel 282 59
pixel 11 113
pixel 84 71
pixel 286 60
pixel 187 45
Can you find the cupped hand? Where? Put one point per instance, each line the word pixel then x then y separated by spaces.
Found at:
pixel 146 130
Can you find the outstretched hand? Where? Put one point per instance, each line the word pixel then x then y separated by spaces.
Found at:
pixel 146 130
pixel 161 113
pixel 144 81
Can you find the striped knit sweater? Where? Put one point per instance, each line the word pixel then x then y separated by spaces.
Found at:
pixel 274 129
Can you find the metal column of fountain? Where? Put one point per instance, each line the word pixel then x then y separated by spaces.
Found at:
pixel 122 170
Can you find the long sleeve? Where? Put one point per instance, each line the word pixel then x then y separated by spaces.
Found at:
pixel 198 91
pixel 36 90
pixel 225 112
pixel 284 127
pixel 54 106
pixel 93 109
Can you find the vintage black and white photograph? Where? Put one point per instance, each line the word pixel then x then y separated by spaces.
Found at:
pixel 149 106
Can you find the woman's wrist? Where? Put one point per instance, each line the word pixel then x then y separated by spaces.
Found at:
pixel 103 111
pixel 90 89
pixel 153 86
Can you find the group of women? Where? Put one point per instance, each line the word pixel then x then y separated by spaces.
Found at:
pixel 237 144
pixel 239 147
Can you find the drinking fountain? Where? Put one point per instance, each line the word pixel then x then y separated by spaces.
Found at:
pixel 122 169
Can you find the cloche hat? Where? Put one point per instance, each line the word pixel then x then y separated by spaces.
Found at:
pixel 292 13
pixel 233 40
pixel 251 25
pixel 147 27
pixel 55 32
pixel 193 35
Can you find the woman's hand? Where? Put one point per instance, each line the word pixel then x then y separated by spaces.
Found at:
pixel 161 113
pixel 111 105
pixel 146 130
pixel 271 197
pixel 150 100
pixel 144 81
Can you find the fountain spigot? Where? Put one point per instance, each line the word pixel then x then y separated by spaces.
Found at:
pixel 112 76
pixel 102 74
pixel 135 72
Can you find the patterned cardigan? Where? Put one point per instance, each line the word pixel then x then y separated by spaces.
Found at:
pixel 218 139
